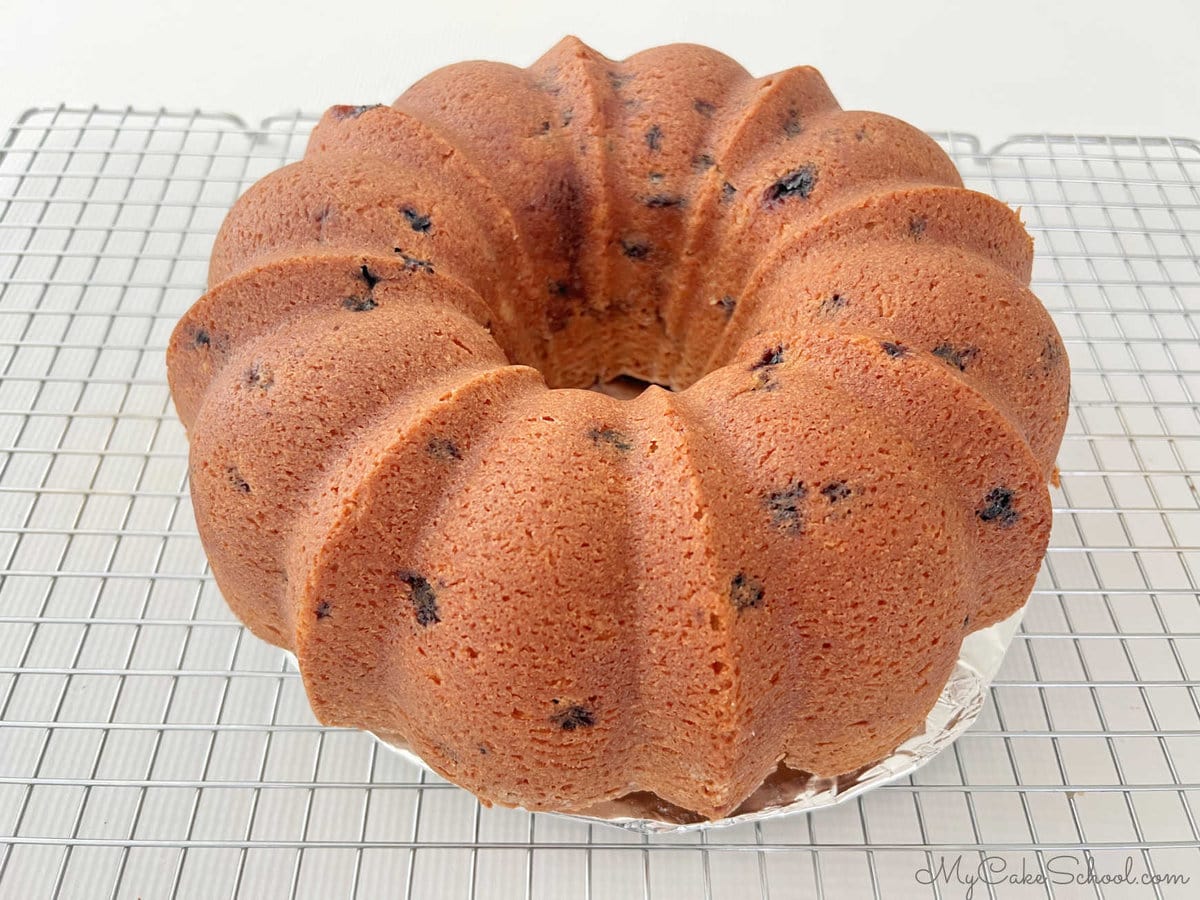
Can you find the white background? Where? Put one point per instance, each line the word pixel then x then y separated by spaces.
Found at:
pixel 994 69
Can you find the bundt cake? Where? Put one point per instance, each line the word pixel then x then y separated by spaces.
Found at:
pixel 767 558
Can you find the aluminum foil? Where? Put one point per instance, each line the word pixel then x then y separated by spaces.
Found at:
pixel 787 791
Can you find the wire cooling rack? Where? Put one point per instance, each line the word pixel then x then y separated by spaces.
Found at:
pixel 150 748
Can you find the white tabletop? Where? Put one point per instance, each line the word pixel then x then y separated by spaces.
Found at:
pixel 1078 66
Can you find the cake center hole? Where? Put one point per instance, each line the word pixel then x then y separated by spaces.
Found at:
pixel 626 387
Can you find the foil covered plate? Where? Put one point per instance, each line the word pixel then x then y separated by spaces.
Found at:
pixel 788 791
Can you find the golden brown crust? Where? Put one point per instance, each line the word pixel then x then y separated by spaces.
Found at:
pixel 558 598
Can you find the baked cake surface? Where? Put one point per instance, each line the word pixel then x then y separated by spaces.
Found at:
pixel 769 557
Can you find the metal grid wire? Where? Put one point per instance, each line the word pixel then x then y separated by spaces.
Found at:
pixel 150 748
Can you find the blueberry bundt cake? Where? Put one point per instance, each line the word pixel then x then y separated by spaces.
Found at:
pixel 768 558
